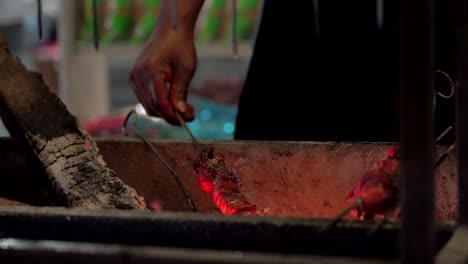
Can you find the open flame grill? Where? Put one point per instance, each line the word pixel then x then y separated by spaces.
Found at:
pixel 307 182
pixel 298 188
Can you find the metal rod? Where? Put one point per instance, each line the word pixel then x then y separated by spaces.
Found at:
pixel 443 134
pixel 380 13
pixel 184 125
pixel 345 212
pixel 316 17
pixel 378 225
pixel 444 156
pixel 159 156
pixel 416 108
pixel 174 14
pixel 95 25
pixel 461 84
pixel 39 18
pixel 235 44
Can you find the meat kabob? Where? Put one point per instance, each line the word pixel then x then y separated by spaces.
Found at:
pixel 376 194
pixel 215 178
pixel 218 180
pixel 377 191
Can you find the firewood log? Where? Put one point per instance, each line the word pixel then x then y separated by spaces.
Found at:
pixel 41 123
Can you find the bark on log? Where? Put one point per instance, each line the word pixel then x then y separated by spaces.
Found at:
pixel 38 120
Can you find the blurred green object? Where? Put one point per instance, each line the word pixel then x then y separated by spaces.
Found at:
pixel 120 21
pixel 247 17
pixel 214 23
pixel 87 30
pixel 144 26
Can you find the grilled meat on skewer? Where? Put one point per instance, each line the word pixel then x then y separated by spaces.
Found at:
pixel 378 189
pixel 219 181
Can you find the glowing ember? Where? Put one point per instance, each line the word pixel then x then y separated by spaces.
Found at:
pixel 220 182
pixel 87 144
pixel 156 205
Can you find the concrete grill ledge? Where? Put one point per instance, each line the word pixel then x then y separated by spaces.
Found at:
pixel 284 237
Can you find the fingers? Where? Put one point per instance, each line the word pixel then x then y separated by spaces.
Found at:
pixel 153 94
pixel 179 91
pixel 162 101
pixel 149 84
pixel 139 84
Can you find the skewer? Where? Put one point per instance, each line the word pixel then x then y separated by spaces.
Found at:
pixel 39 18
pixel 345 212
pixel 174 14
pixel 443 134
pixel 95 25
pixel 376 227
pixel 158 155
pixel 444 156
pixel 184 125
pixel 235 51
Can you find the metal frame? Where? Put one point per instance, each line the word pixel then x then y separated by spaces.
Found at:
pixel 214 232
pixel 461 9
pixel 455 250
pixel 416 91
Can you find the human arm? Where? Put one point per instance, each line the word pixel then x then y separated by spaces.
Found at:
pixel 169 56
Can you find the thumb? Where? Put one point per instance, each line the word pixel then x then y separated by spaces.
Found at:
pixel 178 94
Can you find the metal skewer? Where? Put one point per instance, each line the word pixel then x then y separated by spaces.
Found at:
pixel 341 215
pixel 235 44
pixel 444 156
pixel 184 125
pixel 158 155
pixel 443 134
pixel 376 227
pixel 39 18
pixel 95 25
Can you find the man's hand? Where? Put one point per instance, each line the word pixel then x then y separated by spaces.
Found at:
pixel 162 73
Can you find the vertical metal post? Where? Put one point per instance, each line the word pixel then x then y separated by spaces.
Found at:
pixel 461 86
pixel 317 17
pixel 379 13
pixel 95 25
pixel 39 18
pixel 416 91
pixel 235 44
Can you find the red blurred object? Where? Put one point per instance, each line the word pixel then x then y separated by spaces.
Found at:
pixel 105 126
pixel 378 189
pixel 156 205
pixel 220 182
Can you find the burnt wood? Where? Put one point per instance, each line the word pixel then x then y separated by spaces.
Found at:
pixel 37 119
